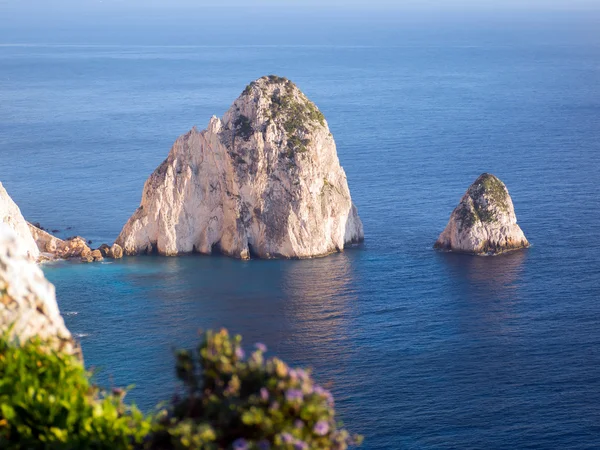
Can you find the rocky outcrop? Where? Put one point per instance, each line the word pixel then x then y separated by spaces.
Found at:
pixel 115 252
pixel 484 222
pixel 11 216
pixel 97 255
pixel 264 180
pixel 38 244
pixel 104 249
pixel 28 305
pixel 51 247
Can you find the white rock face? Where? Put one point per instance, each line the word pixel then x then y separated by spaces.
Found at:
pixel 484 222
pixel 27 300
pixel 11 216
pixel 264 180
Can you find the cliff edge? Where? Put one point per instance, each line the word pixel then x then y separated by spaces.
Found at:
pixel 11 217
pixel 28 305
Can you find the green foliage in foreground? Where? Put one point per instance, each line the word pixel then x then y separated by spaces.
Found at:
pixel 228 402
pixel 47 402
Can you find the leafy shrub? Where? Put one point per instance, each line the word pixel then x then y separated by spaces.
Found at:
pixel 274 79
pixel 231 402
pixel 47 402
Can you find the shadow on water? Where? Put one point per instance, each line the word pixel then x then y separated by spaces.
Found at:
pixel 485 276
pixel 486 291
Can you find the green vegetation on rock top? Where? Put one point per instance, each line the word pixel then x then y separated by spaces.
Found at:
pixel 486 197
pixel 289 108
pixel 489 196
pixel 298 114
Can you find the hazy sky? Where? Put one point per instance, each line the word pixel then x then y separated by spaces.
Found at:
pixel 303 4
pixel 267 21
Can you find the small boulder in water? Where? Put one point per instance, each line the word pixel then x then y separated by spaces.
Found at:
pixel 97 255
pixel 105 250
pixel 116 252
pixel 72 248
pixel 484 222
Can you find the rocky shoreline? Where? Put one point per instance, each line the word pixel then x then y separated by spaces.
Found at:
pixel 41 246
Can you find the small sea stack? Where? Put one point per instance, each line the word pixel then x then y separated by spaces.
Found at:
pixel 484 222
pixel 264 181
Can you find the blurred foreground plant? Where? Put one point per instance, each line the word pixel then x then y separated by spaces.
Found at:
pixel 234 402
pixel 229 402
pixel 47 402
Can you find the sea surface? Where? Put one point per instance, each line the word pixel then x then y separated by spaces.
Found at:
pixel 423 350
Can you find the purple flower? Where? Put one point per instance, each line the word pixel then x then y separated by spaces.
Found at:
pixel 263 445
pixel 321 428
pixel 293 374
pixel 293 395
pixel 300 445
pixel 240 353
pixel 298 423
pixel 264 394
pixel 240 444
pixel 302 374
pixel 324 393
pixel 261 347
pixel 287 438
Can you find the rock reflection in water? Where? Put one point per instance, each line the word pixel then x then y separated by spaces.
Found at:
pixel 320 308
pixel 486 276
pixel 487 291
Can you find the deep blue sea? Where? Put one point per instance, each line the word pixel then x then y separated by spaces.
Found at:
pixel 423 350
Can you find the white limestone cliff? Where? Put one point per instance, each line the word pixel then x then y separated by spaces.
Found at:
pixel 11 216
pixel 484 222
pixel 263 181
pixel 28 305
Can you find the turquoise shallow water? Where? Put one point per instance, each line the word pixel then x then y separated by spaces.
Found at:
pixel 423 349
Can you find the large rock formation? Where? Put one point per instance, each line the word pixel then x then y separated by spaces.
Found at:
pixel 28 306
pixel 484 221
pixel 264 180
pixel 10 215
